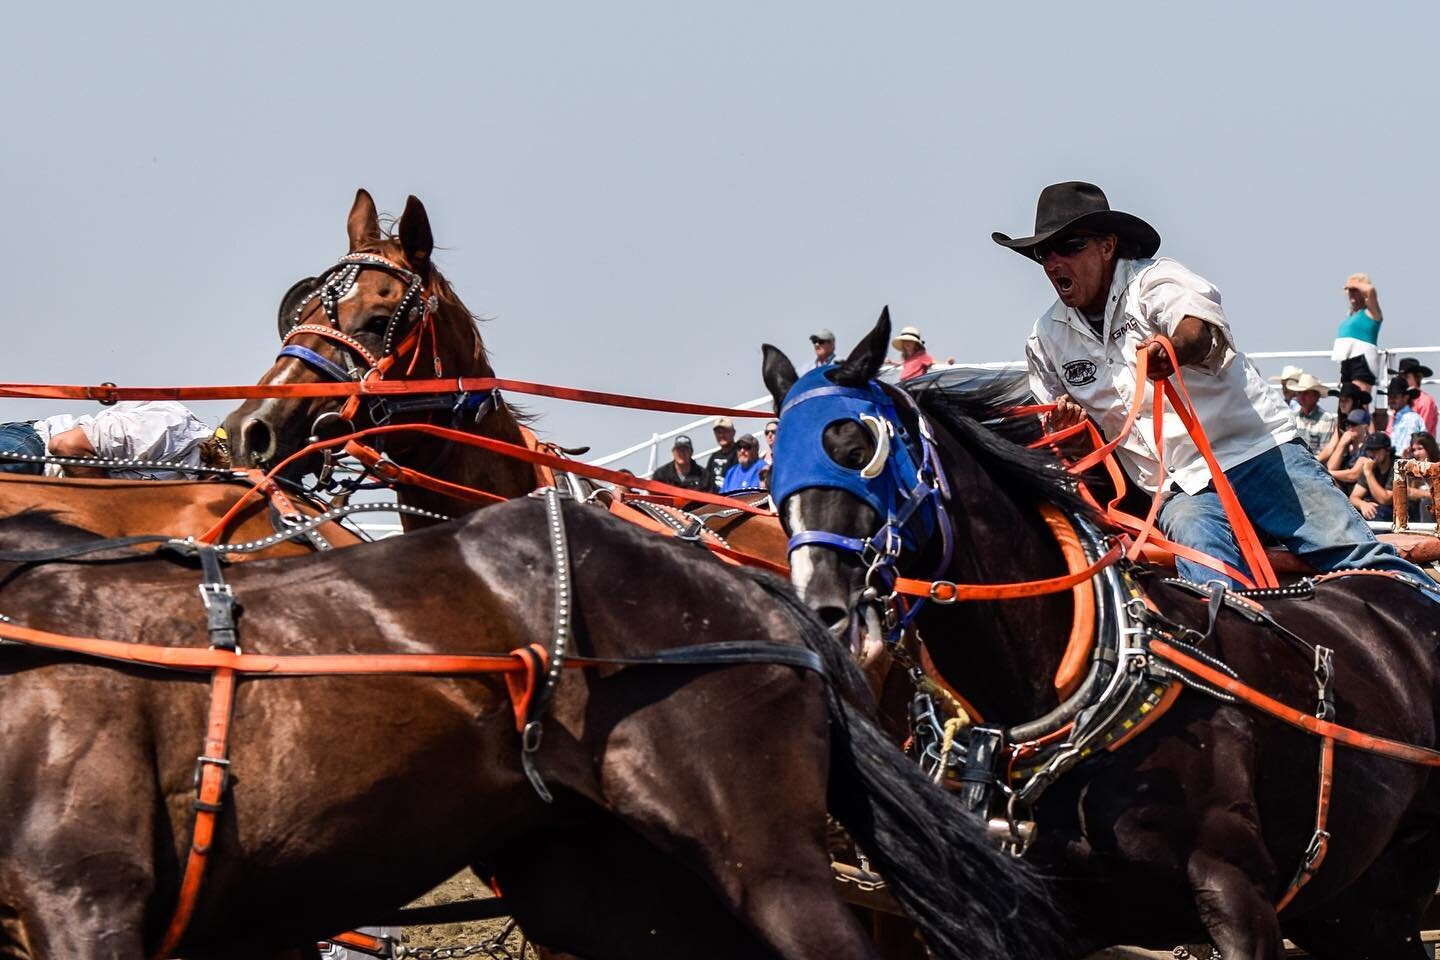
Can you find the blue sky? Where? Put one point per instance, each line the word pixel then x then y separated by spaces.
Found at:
pixel 643 193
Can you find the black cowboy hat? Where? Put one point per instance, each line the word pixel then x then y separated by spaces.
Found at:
pixel 1074 205
pixel 1401 385
pixel 1360 398
pixel 1411 365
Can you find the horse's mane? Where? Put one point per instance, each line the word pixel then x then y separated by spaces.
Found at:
pixel 978 418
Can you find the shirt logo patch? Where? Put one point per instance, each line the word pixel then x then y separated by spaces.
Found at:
pixel 1079 372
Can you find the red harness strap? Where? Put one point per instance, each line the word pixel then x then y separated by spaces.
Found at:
pixel 212 772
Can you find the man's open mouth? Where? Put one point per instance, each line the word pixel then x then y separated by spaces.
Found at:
pixel 1063 284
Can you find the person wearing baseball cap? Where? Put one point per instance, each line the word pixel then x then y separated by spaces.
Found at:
pixel 724 456
pixel 1373 495
pixel 1359 333
pixel 823 340
pixel 1314 425
pixel 744 474
pixel 682 470
pixel 1415 373
pixel 1113 298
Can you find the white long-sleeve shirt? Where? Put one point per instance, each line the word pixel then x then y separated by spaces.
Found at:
pixel 138 430
pixel 1242 414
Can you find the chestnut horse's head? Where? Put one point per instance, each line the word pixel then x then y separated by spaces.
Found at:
pixel 382 310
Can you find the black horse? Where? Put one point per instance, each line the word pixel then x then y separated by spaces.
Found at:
pixel 1195 827
pixel 689 812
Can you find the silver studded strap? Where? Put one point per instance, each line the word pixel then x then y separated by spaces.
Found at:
pixel 559 639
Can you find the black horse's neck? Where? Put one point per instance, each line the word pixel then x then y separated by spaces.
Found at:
pixel 1015 645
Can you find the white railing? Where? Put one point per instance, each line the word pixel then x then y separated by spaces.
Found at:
pixel 653 448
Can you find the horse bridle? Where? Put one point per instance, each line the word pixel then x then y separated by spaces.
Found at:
pixel 909 467
pixel 415 313
pixel 334 285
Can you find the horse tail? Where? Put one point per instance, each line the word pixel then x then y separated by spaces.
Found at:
pixel 969 899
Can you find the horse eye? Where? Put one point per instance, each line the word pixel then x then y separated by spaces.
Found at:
pixel 376 325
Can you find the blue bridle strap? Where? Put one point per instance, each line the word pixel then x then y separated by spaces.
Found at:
pixel 824 538
pixel 331 369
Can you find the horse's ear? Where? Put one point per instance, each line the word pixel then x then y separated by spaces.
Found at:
pixel 415 236
pixel 779 374
pixel 864 361
pixel 364 223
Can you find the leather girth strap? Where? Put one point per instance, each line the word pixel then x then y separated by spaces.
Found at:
pixel 212 776
pixel 552 661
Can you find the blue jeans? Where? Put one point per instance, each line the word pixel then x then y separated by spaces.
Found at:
pixel 1288 496
pixel 21 438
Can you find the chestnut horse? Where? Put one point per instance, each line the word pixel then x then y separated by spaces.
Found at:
pixel 1196 826
pixel 689 810
pixel 174 508
pixel 385 301
pixel 364 311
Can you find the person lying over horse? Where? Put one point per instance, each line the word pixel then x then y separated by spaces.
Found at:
pixel 149 432
pixel 1114 298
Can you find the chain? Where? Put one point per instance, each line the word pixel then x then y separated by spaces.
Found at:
pixel 496 947
pixel 110 463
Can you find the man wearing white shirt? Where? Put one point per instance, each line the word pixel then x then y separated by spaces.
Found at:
pixel 161 431
pixel 1113 298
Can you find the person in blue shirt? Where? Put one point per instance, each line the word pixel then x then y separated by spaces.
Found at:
pixel 744 474
pixel 1404 421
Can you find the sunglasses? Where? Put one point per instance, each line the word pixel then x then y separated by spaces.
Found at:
pixel 1067 247
pixel 770 432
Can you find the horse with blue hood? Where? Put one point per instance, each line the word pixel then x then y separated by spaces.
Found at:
pixel 1162 811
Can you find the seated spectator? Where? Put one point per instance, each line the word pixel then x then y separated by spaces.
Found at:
pixel 745 473
pixel 682 470
pixel 1359 332
pixel 914 360
pixel 1351 400
pixel 772 430
pixel 823 340
pixel 1403 419
pixel 1415 373
pixel 722 459
pixel 156 430
pixel 1313 424
pixel 1423 448
pixel 1372 495
pixel 1347 448
pixel 1289 373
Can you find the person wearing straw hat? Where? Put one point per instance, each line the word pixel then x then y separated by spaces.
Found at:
pixel 1315 426
pixel 914 360
pixel 1415 373
pixel 1359 333
pixel 1114 298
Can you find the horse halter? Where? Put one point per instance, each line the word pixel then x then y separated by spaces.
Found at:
pixel 903 481
pixel 333 286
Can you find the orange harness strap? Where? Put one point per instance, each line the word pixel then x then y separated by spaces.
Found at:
pixel 212 772
pixel 391 472
pixel 1355 739
pixel 1071 670
pixel 1320 844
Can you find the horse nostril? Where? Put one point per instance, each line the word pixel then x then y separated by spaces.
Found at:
pixel 257 440
pixel 832 616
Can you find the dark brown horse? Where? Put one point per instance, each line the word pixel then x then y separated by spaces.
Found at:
pixel 1196 826
pixel 366 315
pixel 689 811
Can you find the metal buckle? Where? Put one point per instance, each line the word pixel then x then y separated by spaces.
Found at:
pixel 221 762
pixel 216 591
pixel 530 737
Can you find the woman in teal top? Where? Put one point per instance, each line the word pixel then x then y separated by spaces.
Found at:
pixel 1359 334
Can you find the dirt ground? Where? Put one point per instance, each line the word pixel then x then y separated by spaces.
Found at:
pixel 465 886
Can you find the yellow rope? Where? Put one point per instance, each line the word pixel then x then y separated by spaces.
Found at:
pixel 960 721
